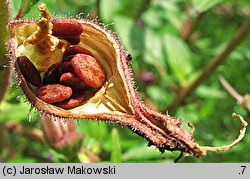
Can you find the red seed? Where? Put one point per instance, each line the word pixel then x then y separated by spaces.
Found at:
pixel 66 28
pixel 29 71
pixel 53 93
pixel 70 79
pixel 89 70
pixel 74 101
pixel 73 50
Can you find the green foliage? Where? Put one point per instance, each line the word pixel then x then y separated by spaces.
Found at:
pixel 116 147
pixel 4 70
pixel 155 42
pixel 204 5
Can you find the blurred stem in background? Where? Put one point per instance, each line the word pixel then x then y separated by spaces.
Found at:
pixel 243 101
pixel 184 92
pixel 190 25
pixel 144 6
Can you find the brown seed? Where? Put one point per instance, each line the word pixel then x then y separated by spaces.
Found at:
pixel 74 101
pixel 73 50
pixel 89 70
pixel 53 93
pixel 72 80
pixel 68 58
pixel 63 28
pixel 51 76
pixel 29 71
pixel 73 40
pixel 66 67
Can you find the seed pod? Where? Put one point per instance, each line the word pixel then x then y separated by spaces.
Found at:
pixel 89 70
pixel 29 71
pixel 116 99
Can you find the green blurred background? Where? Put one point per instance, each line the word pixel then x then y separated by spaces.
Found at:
pixel 165 59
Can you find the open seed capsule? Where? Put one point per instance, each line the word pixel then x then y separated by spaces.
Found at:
pixel 108 71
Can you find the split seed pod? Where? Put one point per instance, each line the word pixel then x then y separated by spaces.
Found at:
pixel 115 98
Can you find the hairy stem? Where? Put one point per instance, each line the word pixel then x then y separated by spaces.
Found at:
pixel 4 62
pixel 239 36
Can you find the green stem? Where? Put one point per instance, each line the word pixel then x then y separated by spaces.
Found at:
pixel 4 62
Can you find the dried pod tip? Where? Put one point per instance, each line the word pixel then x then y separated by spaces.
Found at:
pixel 75 68
pixel 235 142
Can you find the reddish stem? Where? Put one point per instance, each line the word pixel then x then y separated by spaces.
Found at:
pixel 189 26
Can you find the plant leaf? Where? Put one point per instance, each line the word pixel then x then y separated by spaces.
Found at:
pixel 25 7
pixel 178 58
pixel 116 147
pixel 210 92
pixel 123 26
pixel 159 96
pixel 141 153
pixel 107 9
pixel 204 5
pixel 153 51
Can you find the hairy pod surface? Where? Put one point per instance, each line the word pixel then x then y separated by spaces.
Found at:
pixel 100 61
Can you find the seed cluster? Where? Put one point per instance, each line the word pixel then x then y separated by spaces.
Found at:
pixel 75 79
